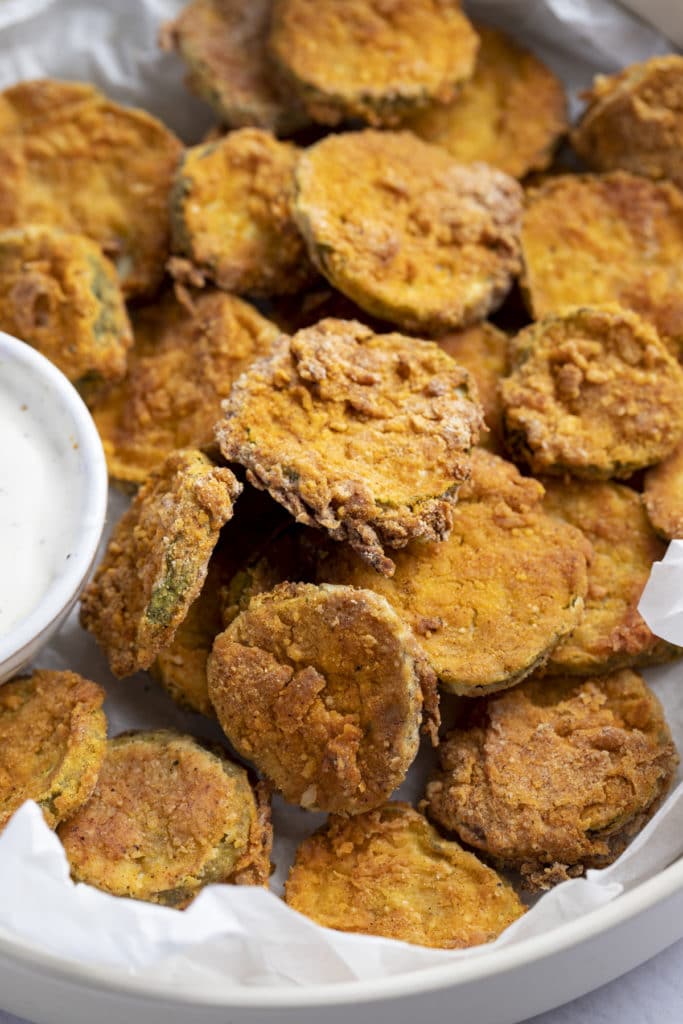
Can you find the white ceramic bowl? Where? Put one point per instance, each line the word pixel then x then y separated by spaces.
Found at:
pixel 56 408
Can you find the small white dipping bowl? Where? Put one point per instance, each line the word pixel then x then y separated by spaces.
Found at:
pixel 55 408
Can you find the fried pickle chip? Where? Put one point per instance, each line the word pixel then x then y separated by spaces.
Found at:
pixel 364 435
pixel 591 239
pixel 634 120
pixel 611 634
pixel 406 232
pixel 510 114
pixel 490 603
pixel 168 817
pixel 71 158
pixel 185 358
pixel 62 296
pixel 388 872
pixel 555 776
pixel 371 59
pixel 231 215
pixel 593 392
pixel 53 736
pixel 156 560
pixel 663 495
pixel 223 43
pixel 483 351
pixel 323 688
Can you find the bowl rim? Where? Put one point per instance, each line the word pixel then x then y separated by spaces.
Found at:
pixel 93 509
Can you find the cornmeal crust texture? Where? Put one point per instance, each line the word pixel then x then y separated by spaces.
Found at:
pixel 168 817
pixel 157 558
pixel 591 239
pixel 490 603
pixel 71 158
pixel 663 495
pixel 555 776
pixel 323 688
pixel 186 356
pixel 389 873
pixel 405 231
pixel 612 633
pixel 53 735
pixel 366 436
pixel 592 392
pixel 372 59
pixel 510 114
pixel 634 120
pixel 483 351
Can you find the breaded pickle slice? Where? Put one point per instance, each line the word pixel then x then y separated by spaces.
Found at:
pixel 71 158
pixel 490 603
pixel 156 560
pixel 593 240
pixel 405 231
pixel 634 120
pixel 231 215
pixel 510 114
pixel 53 735
pixel 612 633
pixel 388 872
pixel 593 392
pixel 364 435
pixel 555 776
pixel 323 689
pixel 223 43
pixel 184 361
pixel 168 817
pixel 663 495
pixel 483 351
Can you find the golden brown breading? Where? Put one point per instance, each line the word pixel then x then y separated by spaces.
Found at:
pixel 405 231
pixel 53 736
pixel 167 818
pixel 364 435
pixel 372 59
pixel 490 603
pixel 388 872
pixel 591 239
pixel 223 43
pixel 612 633
pixel 634 120
pixel 510 114
pixel 157 558
pixel 663 495
pixel 593 392
pixel 185 358
pixel 483 351
pixel 231 215
pixel 557 775
pixel 61 295
pixel 71 158
pixel 323 689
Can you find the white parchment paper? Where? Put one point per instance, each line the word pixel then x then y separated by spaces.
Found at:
pixel 239 935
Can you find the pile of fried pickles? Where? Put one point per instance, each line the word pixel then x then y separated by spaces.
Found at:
pixel 355 496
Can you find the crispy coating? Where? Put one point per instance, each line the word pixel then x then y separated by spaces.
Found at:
pixel 389 873
pixel 53 736
pixel 591 239
pixel 663 495
pixel 557 775
pixel 364 435
pixel 483 351
pixel 323 688
pixel 186 356
pixel 593 392
pixel 634 120
pixel 231 215
pixel 223 43
pixel 510 114
pixel 372 59
pixel 490 603
pixel 156 560
pixel 611 634
pixel 167 818
pixel 71 158
pixel 405 231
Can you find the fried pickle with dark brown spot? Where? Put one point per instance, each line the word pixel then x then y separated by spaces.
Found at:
pixel 483 351
pixel 663 495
